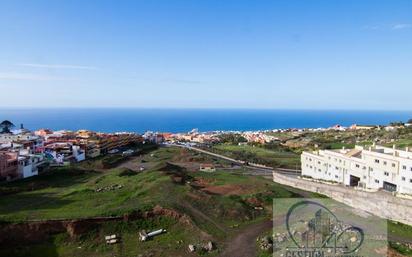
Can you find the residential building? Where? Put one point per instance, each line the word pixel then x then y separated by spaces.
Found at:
pixel 30 163
pixel 362 127
pixel 43 132
pixel 64 153
pixel 107 142
pixel 375 167
pixel 8 165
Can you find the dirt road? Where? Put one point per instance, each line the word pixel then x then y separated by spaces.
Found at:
pixel 244 243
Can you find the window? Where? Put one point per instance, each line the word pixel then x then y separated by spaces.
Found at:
pixel 403 178
pixel 384 163
pixel 318 162
pixel 376 161
pixel 410 181
pixel 404 167
pixel 386 173
pixel 393 165
pixel 376 181
pixel 319 170
pixel 336 176
pixel 357 165
pixel 364 177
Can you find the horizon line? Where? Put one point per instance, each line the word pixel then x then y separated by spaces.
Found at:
pixel 203 108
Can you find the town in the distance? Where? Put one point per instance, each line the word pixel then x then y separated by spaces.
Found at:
pixel 25 153
pixel 71 184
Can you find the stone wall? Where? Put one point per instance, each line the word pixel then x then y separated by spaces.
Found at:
pixel 382 204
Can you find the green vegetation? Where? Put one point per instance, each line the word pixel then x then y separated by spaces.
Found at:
pixel 69 193
pixel 279 157
pixel 112 160
pixel 401 248
pixel 214 203
pixel 332 139
pixel 232 138
pixel 398 229
pixel 93 243
pixel 6 126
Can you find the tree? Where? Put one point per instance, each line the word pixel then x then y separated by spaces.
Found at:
pixel 232 138
pixel 6 126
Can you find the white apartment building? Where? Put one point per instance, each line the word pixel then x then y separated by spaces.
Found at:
pixel 375 167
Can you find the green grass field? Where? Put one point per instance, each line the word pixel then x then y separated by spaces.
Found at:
pixel 72 193
pixel 217 204
pixel 273 158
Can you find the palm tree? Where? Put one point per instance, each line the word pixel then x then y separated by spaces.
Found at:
pixel 6 126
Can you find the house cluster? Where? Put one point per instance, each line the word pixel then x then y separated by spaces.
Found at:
pixel 193 136
pixel 374 167
pixel 258 137
pixel 197 137
pixel 24 153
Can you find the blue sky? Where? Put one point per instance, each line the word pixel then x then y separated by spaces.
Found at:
pixel 207 54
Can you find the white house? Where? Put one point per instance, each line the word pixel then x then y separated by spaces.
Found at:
pixel 376 167
pixel 28 163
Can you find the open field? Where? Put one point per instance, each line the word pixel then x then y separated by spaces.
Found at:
pixel 216 204
pixel 197 206
pixel 278 158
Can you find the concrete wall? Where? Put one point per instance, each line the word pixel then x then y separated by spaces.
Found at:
pixel 381 204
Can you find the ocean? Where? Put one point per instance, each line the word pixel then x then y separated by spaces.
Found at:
pixel 183 120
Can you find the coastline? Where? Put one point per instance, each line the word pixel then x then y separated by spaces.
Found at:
pixel 140 120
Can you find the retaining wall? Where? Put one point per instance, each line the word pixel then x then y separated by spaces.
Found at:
pixel 381 204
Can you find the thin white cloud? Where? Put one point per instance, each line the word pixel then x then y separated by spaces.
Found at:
pixel 386 27
pixel 26 76
pixel 401 26
pixel 58 66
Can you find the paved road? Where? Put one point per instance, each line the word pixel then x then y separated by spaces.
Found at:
pixel 208 153
pixel 255 169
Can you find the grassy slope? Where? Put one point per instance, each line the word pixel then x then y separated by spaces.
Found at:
pixel 261 155
pixel 70 193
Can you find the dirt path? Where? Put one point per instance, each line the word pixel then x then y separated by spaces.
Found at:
pixel 244 243
pixel 201 215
